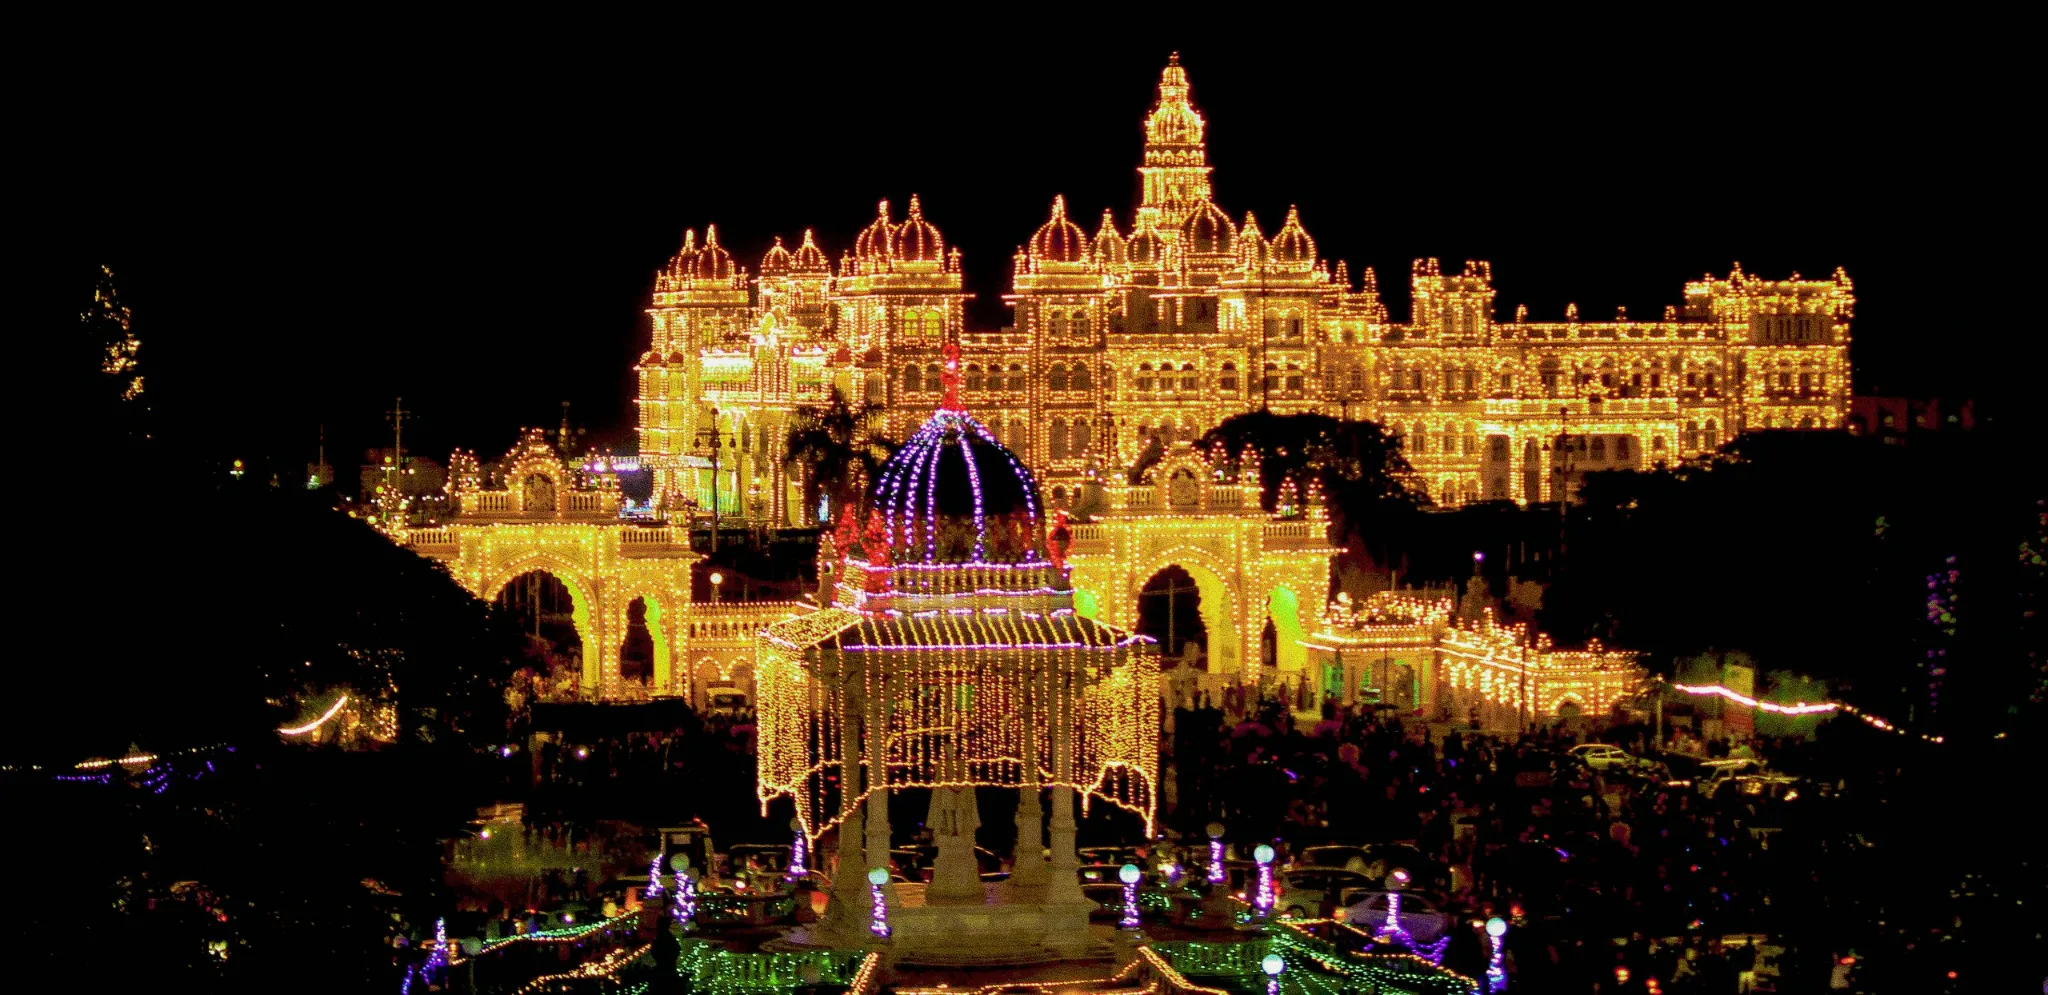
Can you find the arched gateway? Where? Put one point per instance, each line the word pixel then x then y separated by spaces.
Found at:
pixel 1250 567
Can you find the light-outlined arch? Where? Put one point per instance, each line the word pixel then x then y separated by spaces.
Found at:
pixel 1221 605
pixel 1283 607
pixel 583 603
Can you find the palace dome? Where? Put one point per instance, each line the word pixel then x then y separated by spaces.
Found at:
pixel 877 240
pixel 916 240
pixel 1208 231
pixel 953 493
pixel 1292 247
pixel 808 258
pixel 1111 248
pixel 1059 240
pixel 776 262
pixel 711 262
pixel 1251 243
pixel 1147 248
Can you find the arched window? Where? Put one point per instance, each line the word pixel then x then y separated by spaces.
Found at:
pixel 1188 380
pixel 1166 431
pixel 1657 443
pixel 1691 438
pixel 1294 376
pixel 1357 379
pixel 1293 327
pixel 1144 376
pixel 1057 378
pixel 1057 324
pixel 1507 383
pixel 1056 442
pixel 1016 376
pixel 911 383
pixel 1470 446
pixel 932 380
pixel 1415 380
pixel 1228 381
pixel 1272 376
pixel 973 376
pixel 1710 435
pixel 1349 337
pixel 1081 438
pixel 1081 324
pixel 1020 435
pixel 1080 379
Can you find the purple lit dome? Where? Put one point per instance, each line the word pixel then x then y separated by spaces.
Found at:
pixel 954 493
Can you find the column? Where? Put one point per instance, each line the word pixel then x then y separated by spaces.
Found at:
pixel 875 753
pixel 1066 861
pixel 1028 865
pixel 846 917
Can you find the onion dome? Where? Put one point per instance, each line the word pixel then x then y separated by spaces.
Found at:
pixel 776 262
pixel 916 240
pixel 954 494
pixel 876 242
pixel 808 258
pixel 711 262
pixel 1174 120
pixel 1292 247
pixel 1111 248
pixel 1208 231
pixel 1251 243
pixel 679 264
pixel 1147 248
pixel 1059 240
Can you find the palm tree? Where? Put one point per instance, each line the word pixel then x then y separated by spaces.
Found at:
pixel 834 449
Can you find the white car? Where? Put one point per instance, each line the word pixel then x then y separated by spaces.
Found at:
pixel 1368 910
pixel 1601 756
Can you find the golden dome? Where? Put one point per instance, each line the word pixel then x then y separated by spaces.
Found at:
pixel 776 262
pixel 808 258
pixel 1174 120
pixel 679 264
pixel 1208 231
pixel 877 240
pixel 711 262
pixel 1147 248
pixel 1111 249
pixel 1292 247
pixel 916 240
pixel 1059 240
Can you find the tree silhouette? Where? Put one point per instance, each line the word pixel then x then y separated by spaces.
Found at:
pixel 835 449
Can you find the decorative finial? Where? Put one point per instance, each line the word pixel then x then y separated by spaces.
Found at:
pixel 809 239
pixel 915 210
pixel 1173 60
pixel 885 210
pixel 950 375
pixel 711 236
pixel 1059 206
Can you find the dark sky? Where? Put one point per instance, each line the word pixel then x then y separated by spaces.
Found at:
pixel 474 223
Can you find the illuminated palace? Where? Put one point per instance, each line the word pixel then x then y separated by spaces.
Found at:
pixel 1163 322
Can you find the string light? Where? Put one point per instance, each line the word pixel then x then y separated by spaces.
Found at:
pixel 654 876
pixel 316 723
pixel 1216 873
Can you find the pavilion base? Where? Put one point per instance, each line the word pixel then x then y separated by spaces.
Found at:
pixel 1007 927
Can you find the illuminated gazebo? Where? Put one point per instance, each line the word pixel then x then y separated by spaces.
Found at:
pixel 952 658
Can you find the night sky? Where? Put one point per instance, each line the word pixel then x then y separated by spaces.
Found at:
pixel 307 233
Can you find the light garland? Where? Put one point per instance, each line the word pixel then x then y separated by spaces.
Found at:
pixel 316 723
pixel 1496 962
pixel 878 914
pixel 1131 875
pixel 654 875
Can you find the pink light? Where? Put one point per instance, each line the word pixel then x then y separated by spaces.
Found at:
pixel 1746 701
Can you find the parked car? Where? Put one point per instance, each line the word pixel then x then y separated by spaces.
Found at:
pixel 1714 773
pixel 1600 756
pixel 1313 891
pixel 1368 909
pixel 1331 855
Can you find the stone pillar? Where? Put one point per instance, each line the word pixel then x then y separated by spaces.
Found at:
pixel 1065 864
pixel 1028 865
pixel 875 752
pixel 847 915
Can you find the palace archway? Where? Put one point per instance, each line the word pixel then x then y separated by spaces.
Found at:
pixel 1202 518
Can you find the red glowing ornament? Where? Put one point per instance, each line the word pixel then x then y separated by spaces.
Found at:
pixel 951 378
pixel 1061 537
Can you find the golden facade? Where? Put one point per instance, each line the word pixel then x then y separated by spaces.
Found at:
pixel 1162 328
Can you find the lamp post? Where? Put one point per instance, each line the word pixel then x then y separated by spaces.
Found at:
pixel 1263 899
pixel 1216 875
pixel 1130 875
pixel 717 579
pixel 1496 964
pixel 1273 965
pixel 878 923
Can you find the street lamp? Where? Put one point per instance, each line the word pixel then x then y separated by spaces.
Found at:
pixel 717 578
pixel 1131 875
